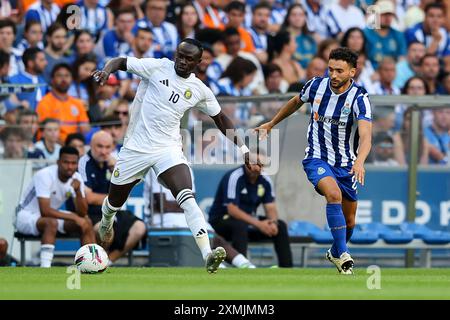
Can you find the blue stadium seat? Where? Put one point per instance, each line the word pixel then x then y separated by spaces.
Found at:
pixel 308 229
pixel 364 237
pixel 389 235
pixel 428 236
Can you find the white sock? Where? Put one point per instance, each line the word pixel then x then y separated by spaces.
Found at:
pixel 240 260
pixel 108 213
pixel 47 255
pixel 195 220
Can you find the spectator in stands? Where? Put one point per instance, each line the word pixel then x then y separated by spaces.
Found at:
pixel 236 78
pixel 202 67
pixel 385 86
pixel 116 5
pixel 235 11
pixel 165 34
pixel 383 119
pixel 438 137
pixel 259 30
pixel 8 33
pixel 214 38
pixel 431 32
pixel 77 141
pixel 410 66
pixel 14 142
pixel 5 259
pixel 118 41
pixel 112 125
pixel 35 63
pixel 166 213
pixel 39 211
pixel 209 16
pixel 27 120
pixel 274 81
pixel 317 19
pixel 96 168
pixel 83 44
pixel 343 15
pixel 383 150
pixel 60 105
pixel 43 11
pixel 402 143
pixel 94 17
pixel 233 213
pixel 295 22
pixel 446 82
pixel 325 47
pixel 221 62
pixel 50 136
pixel 8 103
pixel 384 40
pixel 188 21
pixel 84 87
pixel 429 70
pixel 355 39
pixel 414 86
pixel 107 93
pixel 13 10
pixel 32 37
pixel 284 47
pixel 56 36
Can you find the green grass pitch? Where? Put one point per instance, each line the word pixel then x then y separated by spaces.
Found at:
pixel 195 283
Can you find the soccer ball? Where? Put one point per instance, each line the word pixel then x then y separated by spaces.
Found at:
pixel 91 258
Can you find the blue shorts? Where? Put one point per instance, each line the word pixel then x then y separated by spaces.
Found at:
pixel 316 169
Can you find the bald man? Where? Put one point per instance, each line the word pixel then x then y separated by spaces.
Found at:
pixel 95 168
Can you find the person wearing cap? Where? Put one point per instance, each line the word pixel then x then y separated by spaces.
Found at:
pixel 383 151
pixel 383 40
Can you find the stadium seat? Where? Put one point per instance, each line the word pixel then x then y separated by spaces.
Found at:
pixel 428 236
pixel 364 237
pixel 389 235
pixel 308 229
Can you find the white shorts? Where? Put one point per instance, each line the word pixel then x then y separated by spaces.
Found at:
pixel 133 165
pixel 172 220
pixel 26 223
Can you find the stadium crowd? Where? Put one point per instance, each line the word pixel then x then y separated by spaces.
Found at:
pixel 251 48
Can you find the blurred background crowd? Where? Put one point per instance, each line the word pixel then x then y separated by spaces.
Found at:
pixel 251 48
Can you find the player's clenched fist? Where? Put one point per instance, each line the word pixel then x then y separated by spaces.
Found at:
pixel 100 76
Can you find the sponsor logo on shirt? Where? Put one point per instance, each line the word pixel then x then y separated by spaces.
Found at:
pixel 324 119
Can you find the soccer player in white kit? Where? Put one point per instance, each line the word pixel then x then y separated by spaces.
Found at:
pixel 167 89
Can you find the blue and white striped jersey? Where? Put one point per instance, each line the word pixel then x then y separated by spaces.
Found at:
pixel 333 128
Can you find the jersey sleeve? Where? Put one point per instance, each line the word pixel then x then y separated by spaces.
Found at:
pixel 144 67
pixel 209 104
pixel 362 108
pixel 304 94
pixel 43 184
pixel 231 191
pixel 269 194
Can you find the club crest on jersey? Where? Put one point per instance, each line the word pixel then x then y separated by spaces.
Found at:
pixel 68 194
pixel 320 171
pixel 188 94
pixel 346 109
pixel 116 173
pixel 261 190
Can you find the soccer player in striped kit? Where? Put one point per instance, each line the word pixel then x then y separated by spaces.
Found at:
pixel 339 141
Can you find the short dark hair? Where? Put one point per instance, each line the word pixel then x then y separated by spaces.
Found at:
pixel 144 29
pixel 194 42
pixel 345 54
pixel 68 150
pixel 126 10
pixel 382 137
pixel 271 68
pixel 428 55
pixel 4 58
pixel 30 55
pixel 13 131
pixel 75 136
pixel 4 23
pixel 49 120
pixel 60 66
pixel 238 69
pixel 230 31
pixel 26 113
pixel 435 5
pixel 53 28
pixel 31 23
pixel 235 5
pixel 261 5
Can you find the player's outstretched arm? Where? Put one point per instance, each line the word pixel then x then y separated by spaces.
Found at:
pixel 289 108
pixel 224 123
pixel 113 65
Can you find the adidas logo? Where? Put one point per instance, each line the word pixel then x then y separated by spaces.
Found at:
pixel 201 232
pixel 165 82
pixel 244 191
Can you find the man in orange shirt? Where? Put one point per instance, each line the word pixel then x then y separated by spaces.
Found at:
pixel 236 14
pixel 59 105
pixel 209 17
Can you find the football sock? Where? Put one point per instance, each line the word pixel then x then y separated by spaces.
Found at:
pixel 240 260
pixel 348 235
pixel 195 220
pixel 337 224
pixel 108 212
pixel 47 255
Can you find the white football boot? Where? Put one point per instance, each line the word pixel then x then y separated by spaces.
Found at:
pixel 344 264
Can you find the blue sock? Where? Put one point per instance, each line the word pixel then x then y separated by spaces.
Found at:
pixel 337 224
pixel 348 235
